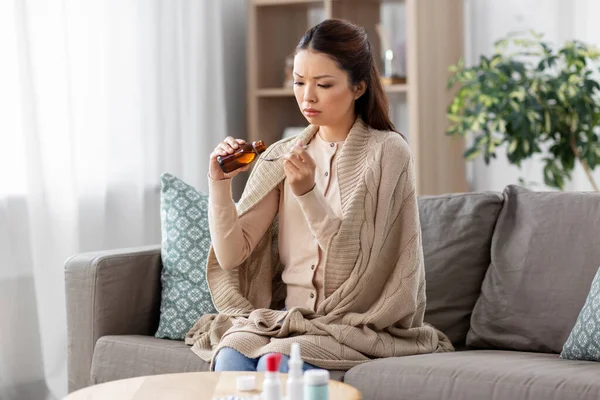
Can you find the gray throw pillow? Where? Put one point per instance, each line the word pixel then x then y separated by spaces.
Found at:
pixel 584 341
pixel 185 245
pixel 457 233
pixel 544 255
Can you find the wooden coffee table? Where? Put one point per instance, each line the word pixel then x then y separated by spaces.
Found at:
pixel 190 386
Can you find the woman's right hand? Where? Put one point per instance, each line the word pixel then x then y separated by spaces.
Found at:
pixel 227 146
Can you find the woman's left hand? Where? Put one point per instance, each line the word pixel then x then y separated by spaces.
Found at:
pixel 299 169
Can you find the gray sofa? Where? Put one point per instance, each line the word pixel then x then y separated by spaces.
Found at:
pixel 507 274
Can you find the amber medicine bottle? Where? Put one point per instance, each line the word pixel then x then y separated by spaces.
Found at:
pixel 242 156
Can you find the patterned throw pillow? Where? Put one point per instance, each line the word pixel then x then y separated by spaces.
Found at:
pixel 584 341
pixel 185 245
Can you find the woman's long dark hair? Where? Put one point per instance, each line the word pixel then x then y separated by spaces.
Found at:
pixel 348 46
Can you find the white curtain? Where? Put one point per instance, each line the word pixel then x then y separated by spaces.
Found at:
pixel 559 21
pixel 97 99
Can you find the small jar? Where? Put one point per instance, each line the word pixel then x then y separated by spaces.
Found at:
pixel 316 384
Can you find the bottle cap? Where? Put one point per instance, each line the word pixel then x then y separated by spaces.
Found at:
pixel 273 362
pixel 295 363
pixel 259 146
pixel 316 377
pixel 295 356
pixel 246 383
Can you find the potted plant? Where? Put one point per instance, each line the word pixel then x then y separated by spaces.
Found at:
pixel 534 99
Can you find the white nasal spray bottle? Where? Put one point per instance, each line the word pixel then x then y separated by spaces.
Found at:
pixel 295 381
pixel 272 383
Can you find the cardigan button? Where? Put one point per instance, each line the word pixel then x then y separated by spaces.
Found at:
pixel 312 295
pixel 312 267
pixel 326 173
pixel 332 145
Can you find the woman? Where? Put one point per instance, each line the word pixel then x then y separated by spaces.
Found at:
pixel 324 248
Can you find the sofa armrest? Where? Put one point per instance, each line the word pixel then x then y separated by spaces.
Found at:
pixel 113 292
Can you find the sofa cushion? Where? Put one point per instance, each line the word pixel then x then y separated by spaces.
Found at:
pixel 584 341
pixel 481 374
pixel 545 254
pixel 457 232
pixel 186 240
pixel 128 356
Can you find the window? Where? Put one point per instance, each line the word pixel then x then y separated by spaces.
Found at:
pixel 12 146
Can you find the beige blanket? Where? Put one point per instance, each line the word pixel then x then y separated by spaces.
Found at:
pixel 374 278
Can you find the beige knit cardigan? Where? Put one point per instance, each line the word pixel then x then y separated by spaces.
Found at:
pixel 374 279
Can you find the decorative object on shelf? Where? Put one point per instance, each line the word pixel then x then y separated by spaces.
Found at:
pixel 534 99
pixel 391 73
pixel 289 72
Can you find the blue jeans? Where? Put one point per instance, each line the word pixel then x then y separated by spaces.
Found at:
pixel 232 360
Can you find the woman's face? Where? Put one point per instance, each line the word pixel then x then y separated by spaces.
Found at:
pixel 322 89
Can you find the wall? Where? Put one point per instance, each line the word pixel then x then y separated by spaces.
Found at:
pixel 559 20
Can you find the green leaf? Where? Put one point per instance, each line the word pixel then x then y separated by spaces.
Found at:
pixel 513 146
pixel 453 130
pixel 500 45
pixel 574 122
pixel 484 62
pixel 502 126
pixel 549 176
pixel 532 116
pixel 561 96
pixel 560 182
pixel 536 35
pixel 553 176
pixel 567 159
pixel 495 61
pixel 518 94
pixel 471 153
pixel 491 146
pixel 454 118
pixel 592 160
